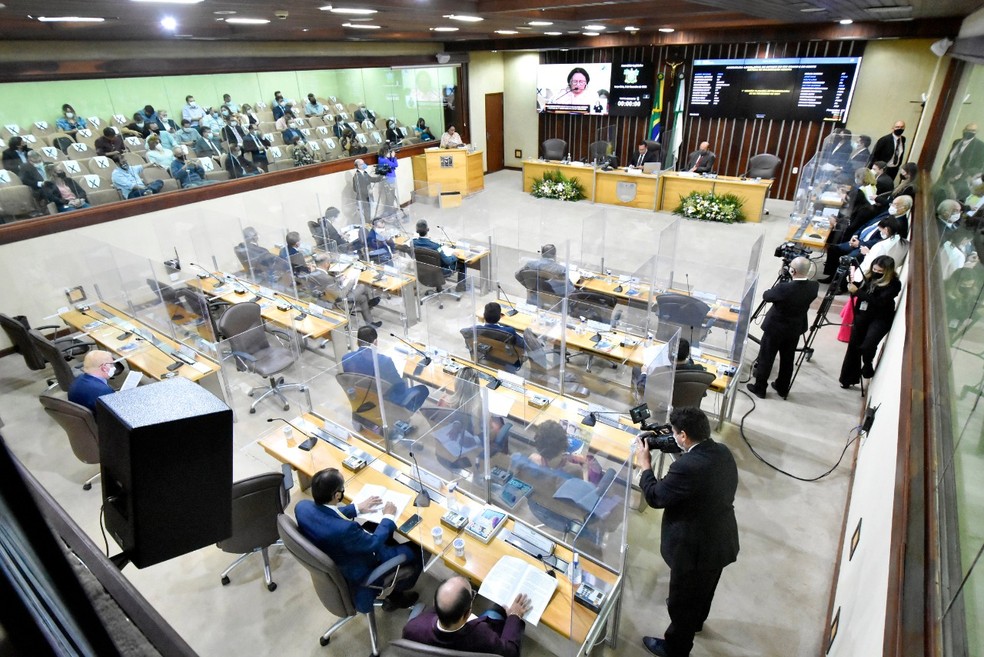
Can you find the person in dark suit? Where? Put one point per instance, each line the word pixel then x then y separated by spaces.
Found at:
pixel 492 314
pixel 237 165
pixel 361 362
pixel 642 156
pixel 332 528
pixel 92 384
pixel 867 236
pixel 890 149
pixel 327 237
pixel 361 187
pixel 966 153
pixel 702 159
pixel 699 536
pixel 255 145
pixel 447 625
pixel 884 183
pixel 33 174
pixel 861 154
pixel 785 322
pixel 449 263
pixel 15 156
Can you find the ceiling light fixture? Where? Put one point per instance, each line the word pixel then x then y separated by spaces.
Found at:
pixel 170 2
pixel 594 28
pixel 591 33
pixel 540 23
pixel 70 19
pixel 812 10
pixel 845 21
pixel 248 21
pixel 465 19
pixel 667 30
pixel 352 11
pixel 361 26
pixel 553 33
pixel 225 12
pixel 506 32
pixel 444 29
pixel 168 23
pixel 631 28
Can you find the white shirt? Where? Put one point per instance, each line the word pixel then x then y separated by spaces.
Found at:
pixel 894 246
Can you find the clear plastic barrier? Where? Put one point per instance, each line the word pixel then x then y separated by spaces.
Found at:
pixel 656 377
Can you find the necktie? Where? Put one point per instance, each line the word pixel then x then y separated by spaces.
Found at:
pixel 898 152
pixel 640 160
pixel 866 235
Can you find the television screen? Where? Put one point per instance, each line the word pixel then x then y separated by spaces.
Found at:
pixel 802 89
pixel 573 88
pixel 632 89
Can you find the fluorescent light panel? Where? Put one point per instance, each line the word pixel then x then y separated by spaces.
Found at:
pixel 464 19
pixel 70 19
pixel 247 21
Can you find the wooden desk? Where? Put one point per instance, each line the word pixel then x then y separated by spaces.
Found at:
pixel 536 168
pixel 644 187
pixel 809 233
pixel 674 185
pixel 449 170
pixel 139 355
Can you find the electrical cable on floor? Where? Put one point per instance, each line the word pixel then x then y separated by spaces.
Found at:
pixel 102 527
pixel 741 429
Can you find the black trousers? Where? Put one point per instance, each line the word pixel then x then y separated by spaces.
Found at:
pixel 776 345
pixel 862 347
pixel 689 603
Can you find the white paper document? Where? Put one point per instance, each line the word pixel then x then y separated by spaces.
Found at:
pixel 511 576
pixel 499 404
pixel 399 500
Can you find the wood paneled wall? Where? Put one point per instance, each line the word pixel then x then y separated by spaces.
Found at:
pixel 734 140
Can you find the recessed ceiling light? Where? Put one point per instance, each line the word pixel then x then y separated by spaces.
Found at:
pixel 506 32
pixel 591 33
pixel 812 10
pixel 666 30
pixel 893 9
pixel 168 23
pixel 171 2
pixel 594 28
pixel 361 26
pixel 845 21
pixel 224 12
pixel 553 33
pixel 465 19
pixel 248 21
pixel 540 23
pixel 353 11
pixel 631 28
pixel 70 19
pixel 444 29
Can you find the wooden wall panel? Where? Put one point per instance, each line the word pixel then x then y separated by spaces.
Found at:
pixel 734 140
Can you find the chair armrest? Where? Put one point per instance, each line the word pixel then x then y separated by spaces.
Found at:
pixel 46 327
pixel 245 359
pixel 392 566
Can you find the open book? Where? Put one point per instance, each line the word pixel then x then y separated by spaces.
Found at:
pixel 511 576
pixel 400 500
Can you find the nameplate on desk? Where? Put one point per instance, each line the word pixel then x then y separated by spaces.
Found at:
pixel 354 463
pixel 538 401
pixel 447 161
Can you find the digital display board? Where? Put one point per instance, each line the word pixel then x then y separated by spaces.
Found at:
pixel 632 89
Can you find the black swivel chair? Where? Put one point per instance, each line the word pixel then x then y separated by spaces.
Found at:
pixel 80 426
pixel 679 311
pixel 763 165
pixel 690 386
pixel 242 325
pixel 554 149
pixel 593 307
pixel 256 503
pixel 431 275
pixel 495 346
pixel 601 152
pixel 64 373
pixel 539 287
pixel 654 147
pixel 545 368
pixel 17 330
pixel 367 408
pixel 407 648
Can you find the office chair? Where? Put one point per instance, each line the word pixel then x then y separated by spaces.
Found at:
pixel 430 274
pixel 407 648
pixel 242 325
pixel 64 373
pixel 539 291
pixel 256 503
pixel 545 368
pixel 687 313
pixel 600 151
pixel 654 147
pixel 593 307
pixel 367 411
pixel 330 585
pixel 80 426
pixel 763 165
pixel 495 346
pixel 690 386
pixel 554 149
pixel 17 330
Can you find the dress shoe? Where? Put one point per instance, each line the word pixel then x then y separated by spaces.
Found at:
pixel 375 324
pixel 374 302
pixel 778 391
pixel 461 286
pixel 755 391
pixel 655 646
pixel 401 600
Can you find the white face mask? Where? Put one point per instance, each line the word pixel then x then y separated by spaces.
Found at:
pixel 69 115
pixel 892 210
pixel 233 123
pixel 192 104
pixel 975 181
pixel 140 125
pixel 292 124
pixel 159 147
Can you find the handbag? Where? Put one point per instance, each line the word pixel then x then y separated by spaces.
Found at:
pixel 847 321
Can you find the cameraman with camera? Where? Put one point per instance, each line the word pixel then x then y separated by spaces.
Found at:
pixel 699 535
pixel 785 322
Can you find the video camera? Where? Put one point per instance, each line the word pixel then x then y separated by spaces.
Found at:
pixel 788 251
pixel 657 436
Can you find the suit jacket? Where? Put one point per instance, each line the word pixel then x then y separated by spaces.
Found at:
pixel 360 362
pixel 649 156
pixel 354 550
pixel 234 135
pixel 360 184
pixel 790 305
pixel 971 160
pixel 859 159
pixel 706 162
pixel 483 634
pixel 361 115
pixel 448 261
pixel 239 166
pixel 86 389
pixel 884 150
pixel 12 161
pixel 31 177
pixel 697 494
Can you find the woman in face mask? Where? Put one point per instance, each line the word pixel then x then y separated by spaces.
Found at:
pixel 873 299
pixel 393 135
pixel 69 121
pixel 906 187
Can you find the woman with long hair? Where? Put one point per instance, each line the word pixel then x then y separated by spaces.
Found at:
pixel 873 298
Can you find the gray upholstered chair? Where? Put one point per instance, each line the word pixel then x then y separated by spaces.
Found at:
pixel 554 149
pixel 256 503
pixel 80 425
pixel 431 275
pixel 242 325
pixel 680 311
pixel 539 290
pixel 593 307
pixel 545 368
pixel 495 346
pixel 690 386
pixel 763 165
pixel 601 152
pixel 367 411
pixel 407 648
pixel 331 586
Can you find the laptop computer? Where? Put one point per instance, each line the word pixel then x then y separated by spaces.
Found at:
pixel 652 167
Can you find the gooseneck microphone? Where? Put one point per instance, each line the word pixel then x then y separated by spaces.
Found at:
pixel 446 236
pixel 512 311
pixel 425 361
pixel 293 306
pixel 122 336
pixel 307 444
pixel 423 497
pixel 178 362
pixel 208 273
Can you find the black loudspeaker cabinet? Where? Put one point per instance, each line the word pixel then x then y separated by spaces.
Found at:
pixel 165 453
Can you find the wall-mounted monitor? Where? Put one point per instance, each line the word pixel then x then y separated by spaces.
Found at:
pixel 797 89
pixel 573 88
pixel 632 89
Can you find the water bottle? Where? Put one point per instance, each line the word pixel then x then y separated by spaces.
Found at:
pixel 453 497
pixel 575 573
pixel 567 160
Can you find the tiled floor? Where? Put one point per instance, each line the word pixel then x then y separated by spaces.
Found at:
pixel 772 602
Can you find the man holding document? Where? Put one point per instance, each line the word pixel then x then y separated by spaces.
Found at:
pixel 450 623
pixel 355 550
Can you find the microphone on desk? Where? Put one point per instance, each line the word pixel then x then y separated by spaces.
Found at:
pixel 423 497
pixel 450 241
pixel 550 569
pixel 294 306
pixel 512 311
pixel 425 361
pixel 307 444
pixel 122 336
pixel 208 273
pixel 176 365
pixel 688 285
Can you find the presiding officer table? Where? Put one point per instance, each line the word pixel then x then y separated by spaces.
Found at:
pixel 674 185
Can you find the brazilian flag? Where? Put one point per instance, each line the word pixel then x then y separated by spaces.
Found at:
pixel 655 128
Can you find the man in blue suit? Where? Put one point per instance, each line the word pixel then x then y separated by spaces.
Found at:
pixel 449 263
pixel 360 362
pixel 492 315
pixel 331 526
pixel 92 384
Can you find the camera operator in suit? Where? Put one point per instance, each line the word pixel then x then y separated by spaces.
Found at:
pixel 785 322
pixel 699 534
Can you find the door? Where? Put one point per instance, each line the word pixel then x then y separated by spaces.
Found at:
pixel 494 150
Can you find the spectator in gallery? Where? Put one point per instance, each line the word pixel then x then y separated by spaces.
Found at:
pixel 70 121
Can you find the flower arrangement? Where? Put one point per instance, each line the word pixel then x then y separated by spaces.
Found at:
pixel 555 184
pixel 705 206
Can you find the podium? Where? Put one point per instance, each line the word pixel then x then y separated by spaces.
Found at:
pixel 448 170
